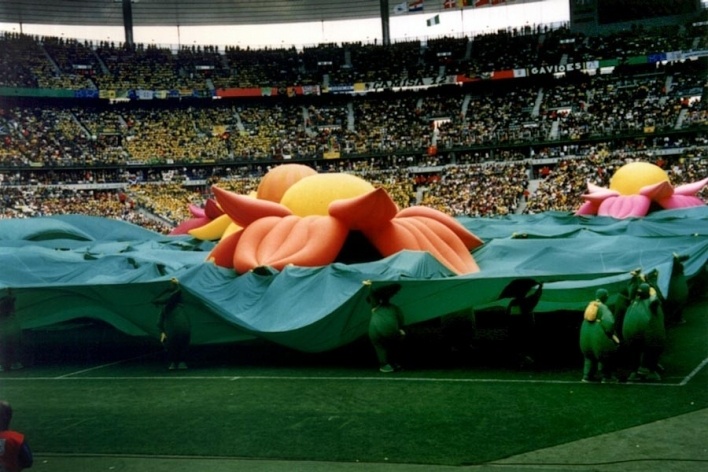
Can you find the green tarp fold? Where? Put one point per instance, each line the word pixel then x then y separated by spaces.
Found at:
pixel 68 267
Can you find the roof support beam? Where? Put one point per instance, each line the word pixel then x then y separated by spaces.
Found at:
pixel 128 21
pixel 385 25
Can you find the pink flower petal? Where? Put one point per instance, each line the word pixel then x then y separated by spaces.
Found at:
pixel 212 209
pixel 692 188
pixel 592 188
pixel 625 206
pixel 196 211
pixel 588 208
pixel 680 201
pixel 189 224
pixel 658 191
pixel 599 194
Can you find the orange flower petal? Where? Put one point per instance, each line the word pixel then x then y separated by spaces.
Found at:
pixel 470 240
pixel 245 255
pixel 314 241
pixel 424 234
pixel 223 253
pixel 277 242
pixel 245 210
pixel 366 211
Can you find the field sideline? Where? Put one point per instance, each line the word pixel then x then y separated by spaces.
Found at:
pixel 92 391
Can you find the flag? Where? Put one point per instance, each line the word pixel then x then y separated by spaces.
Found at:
pixel 218 130
pixel 448 4
pixel 400 8
pixel 482 3
pixel 415 5
pixel 145 94
pixel 433 21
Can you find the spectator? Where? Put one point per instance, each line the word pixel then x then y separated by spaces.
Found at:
pixel 15 453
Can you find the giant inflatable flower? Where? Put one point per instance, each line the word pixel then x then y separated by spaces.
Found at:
pixel 303 218
pixel 634 188
pixel 206 223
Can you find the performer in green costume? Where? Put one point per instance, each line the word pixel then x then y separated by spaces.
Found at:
pixel 174 325
pixel 677 297
pixel 644 333
pixel 598 341
pixel 386 327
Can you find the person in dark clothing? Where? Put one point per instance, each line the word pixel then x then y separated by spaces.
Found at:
pixel 386 327
pixel 10 334
pixel 15 453
pixel 677 296
pixel 174 325
pixel 522 323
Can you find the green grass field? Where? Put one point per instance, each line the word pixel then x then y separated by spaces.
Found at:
pixel 90 390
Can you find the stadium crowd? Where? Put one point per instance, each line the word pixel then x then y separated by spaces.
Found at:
pixel 54 136
pixel 467 150
pixel 477 190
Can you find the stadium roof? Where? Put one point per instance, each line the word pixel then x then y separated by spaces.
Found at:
pixel 188 12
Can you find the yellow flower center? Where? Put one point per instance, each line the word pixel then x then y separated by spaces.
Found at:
pixel 631 178
pixel 312 195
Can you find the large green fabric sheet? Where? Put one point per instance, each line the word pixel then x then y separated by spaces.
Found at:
pixel 69 267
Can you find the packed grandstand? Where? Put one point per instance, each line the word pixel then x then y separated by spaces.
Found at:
pixel 516 121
